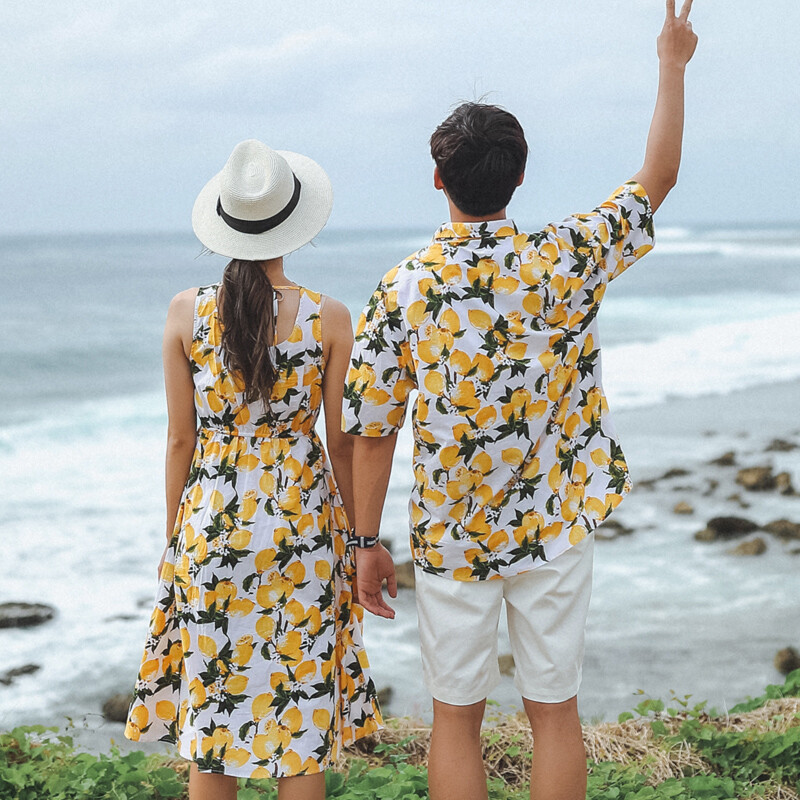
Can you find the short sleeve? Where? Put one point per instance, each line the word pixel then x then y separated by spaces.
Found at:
pixel 616 233
pixel 381 375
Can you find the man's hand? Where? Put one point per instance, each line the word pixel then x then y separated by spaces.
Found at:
pixel 677 42
pixel 373 565
pixel 662 159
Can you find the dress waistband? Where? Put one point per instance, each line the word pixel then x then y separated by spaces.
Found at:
pixel 282 430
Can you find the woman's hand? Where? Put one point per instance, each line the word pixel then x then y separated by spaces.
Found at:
pixel 161 562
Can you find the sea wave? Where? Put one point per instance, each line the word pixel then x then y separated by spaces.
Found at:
pixel 729 249
pixel 711 359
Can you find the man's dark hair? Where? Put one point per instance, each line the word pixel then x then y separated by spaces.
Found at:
pixel 480 151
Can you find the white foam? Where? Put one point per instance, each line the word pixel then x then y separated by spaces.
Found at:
pixel 731 249
pixel 713 359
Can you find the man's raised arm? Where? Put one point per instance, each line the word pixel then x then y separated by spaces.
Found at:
pixel 676 46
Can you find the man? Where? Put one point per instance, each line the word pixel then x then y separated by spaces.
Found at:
pixel 516 460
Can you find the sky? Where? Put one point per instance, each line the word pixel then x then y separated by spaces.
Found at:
pixel 114 114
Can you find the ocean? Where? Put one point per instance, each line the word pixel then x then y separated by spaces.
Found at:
pixel 701 355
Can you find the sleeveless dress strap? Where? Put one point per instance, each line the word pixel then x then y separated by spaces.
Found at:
pixel 310 320
pixel 204 304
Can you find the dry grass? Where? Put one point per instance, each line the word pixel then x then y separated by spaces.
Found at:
pixel 507 744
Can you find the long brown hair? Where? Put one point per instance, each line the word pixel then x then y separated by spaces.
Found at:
pixel 248 327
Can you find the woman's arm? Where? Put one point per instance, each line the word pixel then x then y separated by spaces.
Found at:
pixel 337 342
pixel 182 425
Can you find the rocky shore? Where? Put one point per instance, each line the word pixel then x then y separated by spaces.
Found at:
pixel 734 504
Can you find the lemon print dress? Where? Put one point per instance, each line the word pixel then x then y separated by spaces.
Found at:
pixel 254 664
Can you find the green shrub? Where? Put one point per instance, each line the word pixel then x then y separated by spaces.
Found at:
pixel 37 763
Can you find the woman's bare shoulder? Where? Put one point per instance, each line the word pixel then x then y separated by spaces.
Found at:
pixel 336 323
pixel 183 301
pixel 335 310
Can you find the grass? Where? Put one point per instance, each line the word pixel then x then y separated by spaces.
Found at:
pixel 659 750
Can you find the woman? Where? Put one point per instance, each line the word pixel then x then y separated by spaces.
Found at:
pixel 254 664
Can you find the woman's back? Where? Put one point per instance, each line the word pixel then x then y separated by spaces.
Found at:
pixel 298 358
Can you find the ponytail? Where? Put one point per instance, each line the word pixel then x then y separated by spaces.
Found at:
pixel 248 327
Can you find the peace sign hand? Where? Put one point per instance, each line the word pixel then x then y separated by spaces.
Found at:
pixel 677 42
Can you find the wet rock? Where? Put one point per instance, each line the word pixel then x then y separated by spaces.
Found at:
pixel 787 660
pixel 385 696
pixel 115 709
pixel 725 460
pixel 756 479
pixel 783 483
pixel 7 677
pixel 24 615
pixel 752 547
pixel 611 529
pixel 783 529
pixel 780 446
pixel 724 528
pixel 122 618
pixel 404 574
pixel 729 527
pixel 649 484
pixel 675 472
pixel 711 487
pixel 683 508
pixel 737 498
pixel 506 664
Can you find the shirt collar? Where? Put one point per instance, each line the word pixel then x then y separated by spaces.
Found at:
pixel 460 231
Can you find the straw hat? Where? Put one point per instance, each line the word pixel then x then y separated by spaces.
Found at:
pixel 265 203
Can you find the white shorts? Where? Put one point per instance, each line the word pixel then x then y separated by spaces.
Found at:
pixel 546 609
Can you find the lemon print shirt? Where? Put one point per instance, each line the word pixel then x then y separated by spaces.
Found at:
pixel 515 457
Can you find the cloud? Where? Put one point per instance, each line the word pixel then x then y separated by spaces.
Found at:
pixel 154 95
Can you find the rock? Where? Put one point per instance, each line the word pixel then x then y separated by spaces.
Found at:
pixel 385 696
pixel 787 660
pixel 683 508
pixel 725 460
pixel 115 709
pixel 753 547
pixel 724 528
pixel 404 574
pixel 24 615
pixel 649 483
pixel 783 483
pixel 506 664
pixel 731 526
pixel 676 472
pixel 756 479
pixel 737 498
pixel 711 486
pixel 783 529
pixel 26 669
pixel 387 544
pixel 780 446
pixel 611 529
